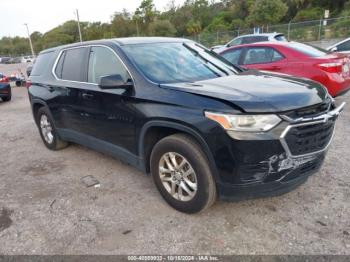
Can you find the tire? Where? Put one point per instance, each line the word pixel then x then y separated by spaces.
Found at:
pixel 6 98
pixel 52 141
pixel 200 183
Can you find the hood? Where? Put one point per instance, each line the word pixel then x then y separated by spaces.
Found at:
pixel 258 91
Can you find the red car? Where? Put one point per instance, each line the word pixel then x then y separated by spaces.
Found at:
pixel 329 69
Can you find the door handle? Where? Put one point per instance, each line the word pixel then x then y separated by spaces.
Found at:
pixel 87 96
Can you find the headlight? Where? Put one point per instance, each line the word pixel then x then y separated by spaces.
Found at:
pixel 245 123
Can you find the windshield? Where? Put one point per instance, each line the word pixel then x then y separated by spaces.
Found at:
pixel 178 62
pixel 308 49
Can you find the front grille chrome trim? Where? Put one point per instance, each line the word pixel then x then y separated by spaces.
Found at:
pixel 309 121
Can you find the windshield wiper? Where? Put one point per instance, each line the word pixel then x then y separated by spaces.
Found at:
pixel 205 59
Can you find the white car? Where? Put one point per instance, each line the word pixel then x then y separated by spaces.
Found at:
pixel 249 39
pixel 27 59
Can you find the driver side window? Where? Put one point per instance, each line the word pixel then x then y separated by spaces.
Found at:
pixel 104 62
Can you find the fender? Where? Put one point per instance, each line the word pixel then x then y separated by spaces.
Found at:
pixel 185 129
pixel 43 103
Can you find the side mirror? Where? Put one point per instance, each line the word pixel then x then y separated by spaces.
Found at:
pixel 114 82
pixel 334 49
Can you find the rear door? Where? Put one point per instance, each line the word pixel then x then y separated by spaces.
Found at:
pixel 70 71
pixel 263 58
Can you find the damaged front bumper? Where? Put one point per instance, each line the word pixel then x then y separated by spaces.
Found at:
pixel 278 161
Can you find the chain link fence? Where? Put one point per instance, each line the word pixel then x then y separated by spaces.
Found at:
pixel 307 31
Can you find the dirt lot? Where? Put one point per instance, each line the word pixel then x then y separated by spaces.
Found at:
pixel 46 209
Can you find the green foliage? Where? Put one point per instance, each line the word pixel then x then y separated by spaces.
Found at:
pixel 267 12
pixel 309 14
pixel 209 21
pixel 162 28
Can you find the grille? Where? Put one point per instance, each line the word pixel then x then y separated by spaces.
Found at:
pixel 312 110
pixel 309 138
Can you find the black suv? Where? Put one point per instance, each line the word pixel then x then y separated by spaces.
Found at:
pixel 170 107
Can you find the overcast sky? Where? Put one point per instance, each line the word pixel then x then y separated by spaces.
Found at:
pixel 43 15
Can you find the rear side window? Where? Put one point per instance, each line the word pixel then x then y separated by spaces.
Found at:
pixel 344 46
pixel 261 55
pixel 254 39
pixel 72 64
pixel 41 63
pixel 233 55
pixel 280 38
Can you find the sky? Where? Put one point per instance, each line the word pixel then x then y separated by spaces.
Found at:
pixel 43 15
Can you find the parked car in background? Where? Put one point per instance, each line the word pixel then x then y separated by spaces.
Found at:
pixel 248 39
pixel 30 67
pixel 4 59
pixel 27 59
pixel 5 88
pixel 329 69
pixel 341 47
pixel 179 111
pixel 17 60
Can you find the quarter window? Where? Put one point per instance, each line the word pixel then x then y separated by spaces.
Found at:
pixel 42 63
pixel 261 55
pixel 104 62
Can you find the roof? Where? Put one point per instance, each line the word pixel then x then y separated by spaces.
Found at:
pixel 122 41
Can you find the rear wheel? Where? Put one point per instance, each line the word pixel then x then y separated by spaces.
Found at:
pixel 181 173
pixel 6 98
pixel 48 132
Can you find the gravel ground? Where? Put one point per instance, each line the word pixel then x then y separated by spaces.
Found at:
pixel 46 209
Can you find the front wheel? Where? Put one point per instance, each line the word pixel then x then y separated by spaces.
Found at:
pixel 181 173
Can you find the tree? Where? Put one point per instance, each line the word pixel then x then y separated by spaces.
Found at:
pixel 162 28
pixel 266 12
pixel 122 25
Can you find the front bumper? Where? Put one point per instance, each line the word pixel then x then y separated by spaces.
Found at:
pixel 268 164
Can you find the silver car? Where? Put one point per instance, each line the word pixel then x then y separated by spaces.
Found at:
pixel 248 39
pixel 341 47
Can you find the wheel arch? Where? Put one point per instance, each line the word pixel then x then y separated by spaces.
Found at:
pixel 36 105
pixel 149 136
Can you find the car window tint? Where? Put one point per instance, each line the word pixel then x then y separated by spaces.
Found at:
pixel 42 63
pixel 235 42
pixel 276 56
pixel 280 38
pixel 104 62
pixel 260 55
pixel 73 65
pixel 233 56
pixel 344 46
pixel 254 39
pixel 59 66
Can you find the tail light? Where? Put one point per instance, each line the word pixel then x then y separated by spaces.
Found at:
pixel 28 83
pixel 334 67
pixel 4 79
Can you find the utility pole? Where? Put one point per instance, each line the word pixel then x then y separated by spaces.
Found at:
pixel 30 40
pixel 77 13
